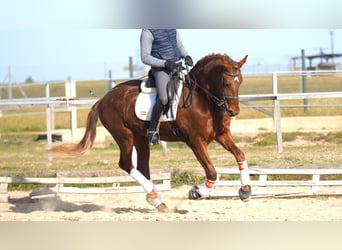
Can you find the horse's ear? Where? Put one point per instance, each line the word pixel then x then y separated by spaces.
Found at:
pixel 242 62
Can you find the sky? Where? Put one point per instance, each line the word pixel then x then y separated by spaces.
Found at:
pixel 84 39
pixel 57 54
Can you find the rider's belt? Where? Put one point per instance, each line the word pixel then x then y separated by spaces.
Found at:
pixel 159 69
pixel 179 62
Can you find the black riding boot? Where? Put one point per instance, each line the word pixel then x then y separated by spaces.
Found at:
pixel 152 132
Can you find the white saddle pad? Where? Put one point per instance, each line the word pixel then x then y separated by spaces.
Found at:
pixel 146 101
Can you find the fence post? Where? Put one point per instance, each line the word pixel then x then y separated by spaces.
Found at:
pixel 111 81
pixel 315 180
pixel 262 180
pixel 164 146
pixel 304 84
pixel 48 117
pixel 1 89
pixel 276 114
pixel 10 91
pixel 70 92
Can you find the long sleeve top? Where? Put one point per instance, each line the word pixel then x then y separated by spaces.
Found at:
pixel 146 41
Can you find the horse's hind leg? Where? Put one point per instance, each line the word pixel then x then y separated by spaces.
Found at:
pixel 143 154
pixel 125 139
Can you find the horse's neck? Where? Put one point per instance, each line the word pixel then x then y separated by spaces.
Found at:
pixel 203 102
pixel 212 64
pixel 203 79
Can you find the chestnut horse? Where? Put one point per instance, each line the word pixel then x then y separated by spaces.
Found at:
pixel 208 101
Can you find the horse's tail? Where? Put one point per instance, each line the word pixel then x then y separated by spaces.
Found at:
pixel 73 149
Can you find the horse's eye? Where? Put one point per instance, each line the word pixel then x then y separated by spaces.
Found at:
pixel 227 83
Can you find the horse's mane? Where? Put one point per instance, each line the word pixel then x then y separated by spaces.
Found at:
pixel 204 62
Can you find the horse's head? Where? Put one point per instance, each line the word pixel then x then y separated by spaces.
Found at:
pixel 221 78
pixel 231 81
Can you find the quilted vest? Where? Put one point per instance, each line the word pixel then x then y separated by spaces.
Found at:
pixel 165 44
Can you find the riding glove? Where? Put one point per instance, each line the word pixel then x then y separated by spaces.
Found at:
pixel 188 61
pixel 170 65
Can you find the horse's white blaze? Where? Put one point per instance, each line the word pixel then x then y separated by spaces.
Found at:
pixel 236 79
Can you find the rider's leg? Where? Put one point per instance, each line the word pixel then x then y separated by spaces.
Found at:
pixel 152 132
pixel 161 78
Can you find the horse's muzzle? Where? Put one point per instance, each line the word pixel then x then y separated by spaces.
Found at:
pixel 233 113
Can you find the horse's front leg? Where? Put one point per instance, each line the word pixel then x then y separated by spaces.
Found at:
pixel 227 141
pixel 201 152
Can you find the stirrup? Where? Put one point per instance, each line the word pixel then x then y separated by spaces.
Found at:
pixel 153 137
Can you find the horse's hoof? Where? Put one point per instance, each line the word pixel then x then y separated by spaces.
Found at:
pixel 245 195
pixel 194 193
pixel 162 208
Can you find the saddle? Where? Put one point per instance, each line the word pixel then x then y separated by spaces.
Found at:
pixel 148 84
pixel 148 94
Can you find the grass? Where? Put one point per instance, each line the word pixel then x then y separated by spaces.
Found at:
pixel 21 155
pixel 290 84
pixel 33 158
pixel 269 139
pixel 179 178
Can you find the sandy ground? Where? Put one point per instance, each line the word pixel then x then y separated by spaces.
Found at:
pixel 133 207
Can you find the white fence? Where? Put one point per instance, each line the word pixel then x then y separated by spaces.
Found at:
pixel 282 182
pixel 276 102
pixel 276 97
pixel 264 183
pixel 263 186
pixel 62 185
pixel 71 103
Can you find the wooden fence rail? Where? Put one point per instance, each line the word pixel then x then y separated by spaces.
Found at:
pixel 282 182
pixel 117 184
pixel 264 182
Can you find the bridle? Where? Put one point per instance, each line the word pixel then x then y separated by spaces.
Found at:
pixel 221 101
pixel 229 98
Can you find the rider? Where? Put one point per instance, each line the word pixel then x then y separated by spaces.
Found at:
pixel 162 49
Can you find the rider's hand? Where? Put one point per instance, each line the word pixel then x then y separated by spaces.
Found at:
pixel 188 61
pixel 170 65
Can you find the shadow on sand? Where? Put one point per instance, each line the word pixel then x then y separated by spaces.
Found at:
pixel 28 205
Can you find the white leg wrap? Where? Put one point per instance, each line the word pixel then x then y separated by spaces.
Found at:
pixel 160 201
pixel 244 174
pixel 134 158
pixel 146 184
pixel 206 188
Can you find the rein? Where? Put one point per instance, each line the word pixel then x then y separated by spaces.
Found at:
pixel 219 101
